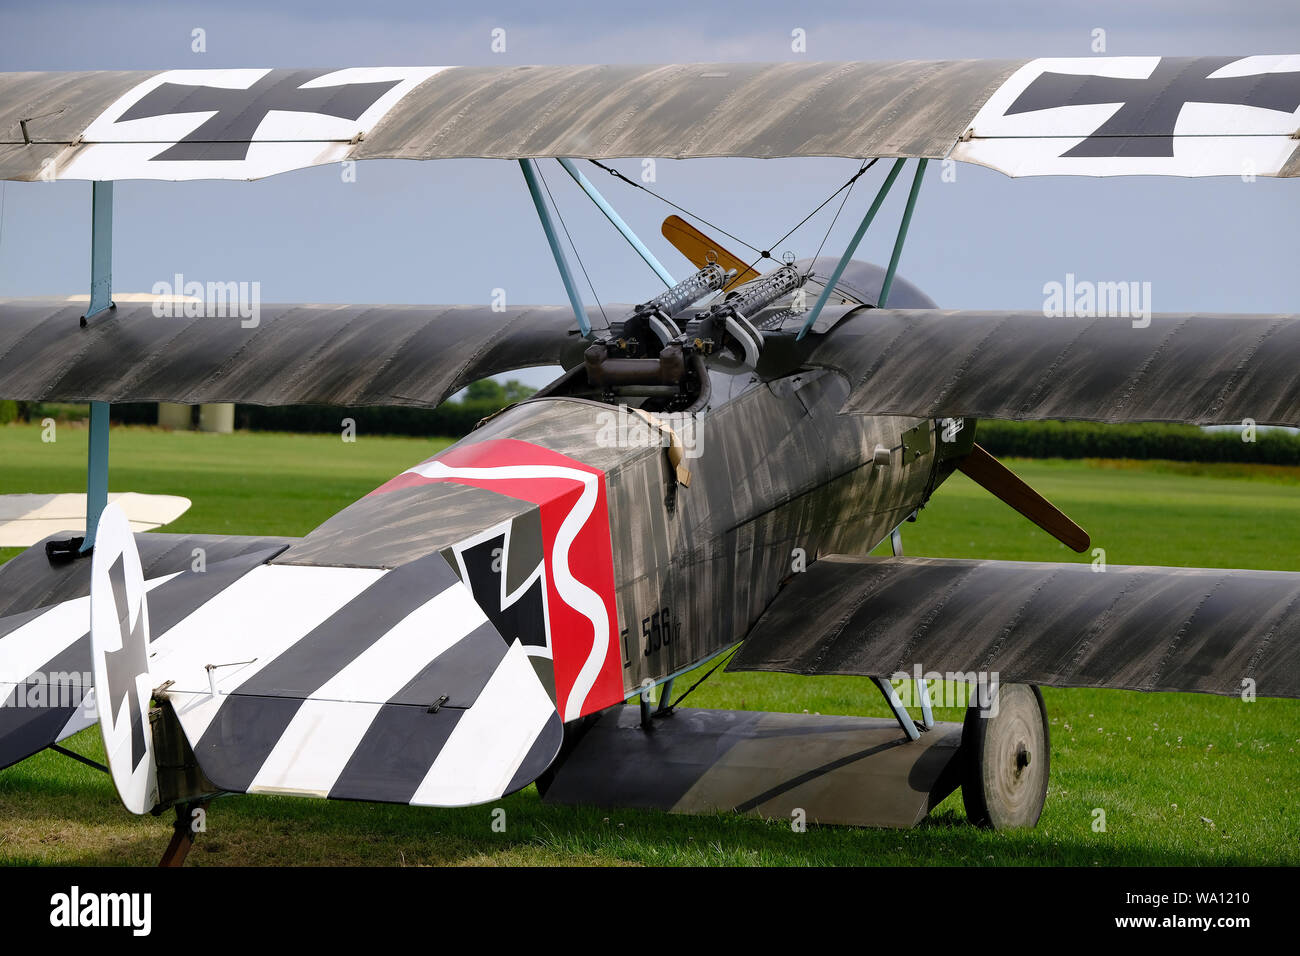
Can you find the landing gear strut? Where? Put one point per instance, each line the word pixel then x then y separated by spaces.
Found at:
pixel 182 834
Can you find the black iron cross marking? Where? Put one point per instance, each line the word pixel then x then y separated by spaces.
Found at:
pixel 227 134
pixel 1144 125
pixel 126 663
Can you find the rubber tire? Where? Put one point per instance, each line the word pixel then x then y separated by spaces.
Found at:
pixel 998 793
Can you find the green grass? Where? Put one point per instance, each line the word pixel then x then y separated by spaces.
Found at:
pixel 1159 765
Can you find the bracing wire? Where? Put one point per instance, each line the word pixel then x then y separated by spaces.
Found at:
pixel 664 199
pixel 764 253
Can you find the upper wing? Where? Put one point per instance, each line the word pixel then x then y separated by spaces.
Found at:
pixel 1097 116
pixel 1063 625
pixel 286 354
pixel 1201 369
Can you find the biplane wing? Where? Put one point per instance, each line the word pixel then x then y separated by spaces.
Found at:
pixel 292 354
pixel 1207 630
pixel 1094 116
pixel 1207 369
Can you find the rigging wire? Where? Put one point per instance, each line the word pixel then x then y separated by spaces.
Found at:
pixel 764 253
pixel 848 185
pixel 835 218
pixel 664 199
pixel 559 215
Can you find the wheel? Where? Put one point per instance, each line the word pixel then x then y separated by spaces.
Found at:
pixel 1008 757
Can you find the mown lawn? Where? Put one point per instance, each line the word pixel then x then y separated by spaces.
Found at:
pixel 1183 779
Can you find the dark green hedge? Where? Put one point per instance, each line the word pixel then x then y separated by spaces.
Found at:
pixel 450 420
pixel 1011 439
pixel 1172 442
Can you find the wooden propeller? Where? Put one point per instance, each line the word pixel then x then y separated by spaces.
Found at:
pixel 696 246
pixel 993 476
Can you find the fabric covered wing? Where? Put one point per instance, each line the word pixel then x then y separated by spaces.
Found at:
pixel 1141 115
pixel 157 125
pixel 1092 116
pixel 294 354
pixel 1062 625
pixel 45 655
pixel 26 519
pixel 359 684
pixel 1202 369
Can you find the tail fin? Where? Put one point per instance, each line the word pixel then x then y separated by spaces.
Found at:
pixel 119 641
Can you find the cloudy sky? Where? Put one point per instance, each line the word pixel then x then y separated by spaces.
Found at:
pixel 452 231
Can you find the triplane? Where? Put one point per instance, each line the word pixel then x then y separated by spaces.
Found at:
pixel 477 623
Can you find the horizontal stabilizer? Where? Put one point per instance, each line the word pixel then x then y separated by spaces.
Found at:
pixel 358 684
pixel 46 690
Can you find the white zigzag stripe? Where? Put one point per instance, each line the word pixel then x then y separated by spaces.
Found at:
pixel 576 594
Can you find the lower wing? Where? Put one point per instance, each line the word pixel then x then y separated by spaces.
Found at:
pixel 1063 625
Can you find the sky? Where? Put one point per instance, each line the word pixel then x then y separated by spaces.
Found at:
pixel 452 231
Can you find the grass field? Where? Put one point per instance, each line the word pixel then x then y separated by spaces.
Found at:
pixel 1183 779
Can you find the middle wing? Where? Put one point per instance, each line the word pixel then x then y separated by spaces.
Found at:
pixel 283 355
pixel 1202 369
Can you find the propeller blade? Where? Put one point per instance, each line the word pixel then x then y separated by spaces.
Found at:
pixel 994 477
pixel 696 246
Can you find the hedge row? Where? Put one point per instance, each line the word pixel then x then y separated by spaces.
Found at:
pixel 451 419
pixel 1172 442
pixel 1012 439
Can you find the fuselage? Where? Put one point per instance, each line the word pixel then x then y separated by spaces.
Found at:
pixel 777 478
pixel 624 544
